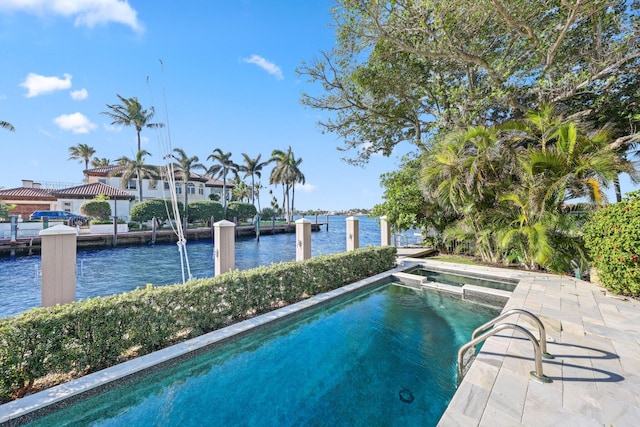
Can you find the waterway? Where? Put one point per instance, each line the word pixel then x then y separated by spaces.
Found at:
pixel 109 271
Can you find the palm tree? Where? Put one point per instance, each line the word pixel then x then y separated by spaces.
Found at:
pixel 100 163
pixel 136 169
pixel 286 172
pixel 253 168
pixel 82 153
pixel 131 113
pixel 185 164
pixel 221 168
pixel 6 125
pixel 241 190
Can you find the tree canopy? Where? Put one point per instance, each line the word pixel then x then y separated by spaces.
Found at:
pixel 405 70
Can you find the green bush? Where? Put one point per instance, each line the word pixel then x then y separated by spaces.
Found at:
pixel 241 210
pixel 203 211
pixel 88 335
pixel 148 209
pixel 98 209
pixel 612 237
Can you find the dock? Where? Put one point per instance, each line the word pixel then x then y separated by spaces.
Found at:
pixel 86 240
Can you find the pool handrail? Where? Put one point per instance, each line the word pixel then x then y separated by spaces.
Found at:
pixel 531 316
pixel 537 374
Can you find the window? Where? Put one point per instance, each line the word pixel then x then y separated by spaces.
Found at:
pixel 178 188
pixel 102 180
pixel 191 189
pixel 201 189
pixel 166 185
pixel 132 184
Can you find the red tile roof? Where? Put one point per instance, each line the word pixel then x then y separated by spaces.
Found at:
pixel 93 190
pixel 26 193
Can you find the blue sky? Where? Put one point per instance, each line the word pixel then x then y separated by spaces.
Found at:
pixel 226 81
pixel 220 73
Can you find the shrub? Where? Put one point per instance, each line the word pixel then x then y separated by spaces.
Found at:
pixel 148 209
pixel 612 237
pixel 88 335
pixel 241 210
pixel 268 214
pixel 97 208
pixel 204 210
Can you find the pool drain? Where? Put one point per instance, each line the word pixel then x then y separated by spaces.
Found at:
pixel 406 395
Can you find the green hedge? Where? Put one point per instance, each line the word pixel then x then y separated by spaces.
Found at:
pixel 612 236
pixel 86 336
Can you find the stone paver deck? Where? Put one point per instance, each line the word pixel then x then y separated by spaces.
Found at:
pixel 595 340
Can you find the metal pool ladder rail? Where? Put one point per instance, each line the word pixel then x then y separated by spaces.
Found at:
pixel 539 347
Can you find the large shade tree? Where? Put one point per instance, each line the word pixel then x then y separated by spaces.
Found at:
pixel 131 113
pixel 409 69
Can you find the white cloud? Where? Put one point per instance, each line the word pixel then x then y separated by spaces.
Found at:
pixel 76 123
pixel 38 85
pixel 307 188
pixel 87 13
pixel 269 67
pixel 79 95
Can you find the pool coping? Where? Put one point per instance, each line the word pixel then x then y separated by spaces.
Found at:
pixel 595 339
pixel 42 403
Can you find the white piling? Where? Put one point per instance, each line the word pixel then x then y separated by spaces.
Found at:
pixel 353 233
pixel 224 246
pixel 58 260
pixel 303 239
pixel 385 232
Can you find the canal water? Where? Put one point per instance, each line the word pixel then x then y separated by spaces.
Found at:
pixel 109 271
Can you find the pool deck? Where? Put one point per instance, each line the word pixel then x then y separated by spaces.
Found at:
pixel 595 340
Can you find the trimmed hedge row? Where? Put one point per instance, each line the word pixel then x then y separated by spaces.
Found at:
pixel 86 336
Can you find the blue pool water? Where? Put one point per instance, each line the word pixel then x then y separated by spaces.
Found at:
pixel 116 270
pixel 383 358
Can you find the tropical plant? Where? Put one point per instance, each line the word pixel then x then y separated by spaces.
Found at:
pixel 136 169
pixel 222 166
pixel 286 172
pixel 241 190
pixel 99 163
pixel 82 153
pixel 253 167
pixel 186 164
pixel 6 125
pixel 131 113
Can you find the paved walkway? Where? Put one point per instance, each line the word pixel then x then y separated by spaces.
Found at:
pixel 595 338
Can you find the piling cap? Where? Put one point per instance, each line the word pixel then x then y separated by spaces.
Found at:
pixel 224 223
pixel 57 230
pixel 303 221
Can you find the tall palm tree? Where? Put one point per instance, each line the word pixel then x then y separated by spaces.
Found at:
pixel 100 163
pixel 252 168
pixel 137 169
pixel 287 173
pixel 186 164
pixel 220 169
pixel 131 113
pixel 82 153
pixel 6 125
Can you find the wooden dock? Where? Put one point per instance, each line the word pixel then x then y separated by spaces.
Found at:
pixel 85 240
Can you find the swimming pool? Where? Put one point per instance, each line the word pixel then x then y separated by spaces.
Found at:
pixel 453 279
pixel 383 357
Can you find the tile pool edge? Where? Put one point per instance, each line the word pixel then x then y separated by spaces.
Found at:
pixel 47 401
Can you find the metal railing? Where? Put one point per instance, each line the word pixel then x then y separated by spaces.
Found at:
pixel 539 347
pixel 541 331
